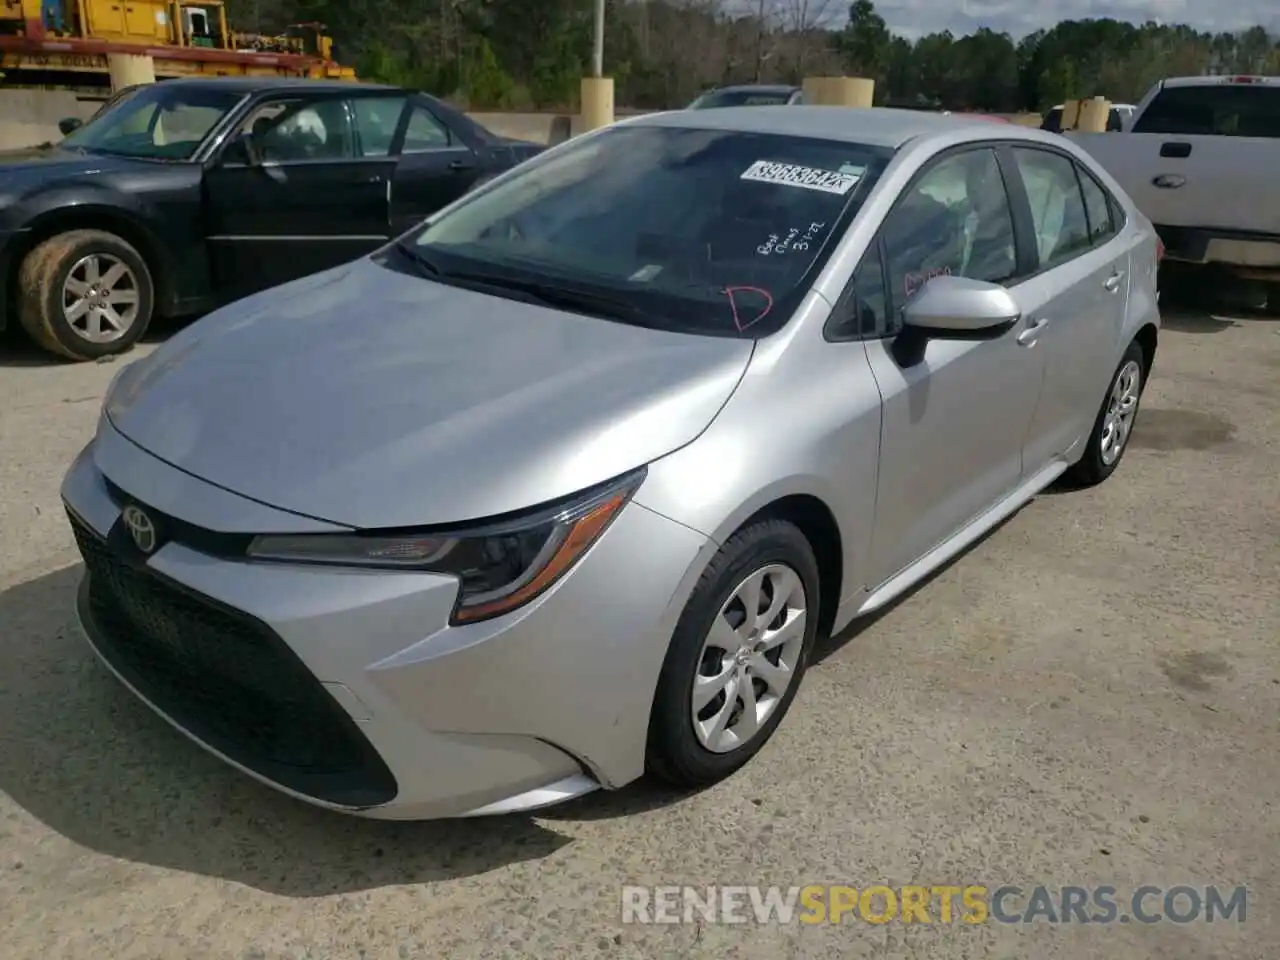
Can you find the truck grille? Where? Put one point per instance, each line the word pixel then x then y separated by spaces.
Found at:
pixel 226 678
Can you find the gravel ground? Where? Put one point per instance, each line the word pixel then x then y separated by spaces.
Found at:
pixel 1089 696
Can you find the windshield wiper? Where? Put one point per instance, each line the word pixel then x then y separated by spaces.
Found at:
pixel 542 293
pixel 564 298
pixel 426 266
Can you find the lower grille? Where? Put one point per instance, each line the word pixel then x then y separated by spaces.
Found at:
pixel 228 679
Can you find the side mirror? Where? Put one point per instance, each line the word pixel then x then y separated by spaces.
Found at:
pixel 67 124
pixel 959 307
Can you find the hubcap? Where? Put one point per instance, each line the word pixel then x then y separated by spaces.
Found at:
pixel 100 298
pixel 749 658
pixel 1122 406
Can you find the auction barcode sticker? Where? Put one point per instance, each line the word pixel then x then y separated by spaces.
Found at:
pixel 793 175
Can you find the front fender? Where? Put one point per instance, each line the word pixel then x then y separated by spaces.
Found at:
pixel 81 207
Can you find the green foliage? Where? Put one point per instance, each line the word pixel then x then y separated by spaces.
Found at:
pixel 517 54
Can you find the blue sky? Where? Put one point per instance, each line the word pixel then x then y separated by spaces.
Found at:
pixel 1018 17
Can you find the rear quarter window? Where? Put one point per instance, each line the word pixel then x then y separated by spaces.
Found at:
pixel 1221 110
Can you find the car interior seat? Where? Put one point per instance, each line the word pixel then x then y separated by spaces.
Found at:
pixel 989 252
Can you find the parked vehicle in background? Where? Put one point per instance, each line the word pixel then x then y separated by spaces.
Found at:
pixel 566 484
pixel 185 194
pixel 749 95
pixel 1118 117
pixel 1202 160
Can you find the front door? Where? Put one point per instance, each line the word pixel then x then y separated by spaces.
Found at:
pixel 293 195
pixel 955 412
pixel 1079 293
pixel 436 167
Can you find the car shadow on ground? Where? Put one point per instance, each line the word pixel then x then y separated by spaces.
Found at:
pixel 84 757
pixel 829 646
pixel 18 350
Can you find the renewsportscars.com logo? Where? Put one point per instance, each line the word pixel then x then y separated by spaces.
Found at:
pixel 942 903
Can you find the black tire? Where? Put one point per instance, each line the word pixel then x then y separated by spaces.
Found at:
pixel 41 281
pixel 1093 467
pixel 674 753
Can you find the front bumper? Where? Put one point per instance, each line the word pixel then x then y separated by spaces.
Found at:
pixel 348 688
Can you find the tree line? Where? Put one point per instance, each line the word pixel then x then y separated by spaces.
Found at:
pixel 530 54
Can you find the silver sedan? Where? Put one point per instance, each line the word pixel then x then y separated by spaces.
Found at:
pixel 562 486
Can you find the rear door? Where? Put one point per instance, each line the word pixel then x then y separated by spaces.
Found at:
pixel 1078 294
pixel 1205 154
pixel 436 166
pixel 304 199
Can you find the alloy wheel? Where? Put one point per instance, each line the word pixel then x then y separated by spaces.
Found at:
pixel 100 298
pixel 1122 407
pixel 749 658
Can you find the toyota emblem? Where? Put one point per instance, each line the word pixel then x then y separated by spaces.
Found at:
pixel 140 528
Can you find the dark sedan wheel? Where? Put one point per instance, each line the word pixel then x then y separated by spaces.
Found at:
pixel 738 655
pixel 85 294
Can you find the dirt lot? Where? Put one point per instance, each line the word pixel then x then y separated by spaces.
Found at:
pixel 1090 696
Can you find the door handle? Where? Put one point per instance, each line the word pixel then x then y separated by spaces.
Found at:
pixel 461 165
pixel 1112 283
pixel 1029 336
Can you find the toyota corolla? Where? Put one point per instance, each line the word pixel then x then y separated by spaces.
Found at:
pixel 563 485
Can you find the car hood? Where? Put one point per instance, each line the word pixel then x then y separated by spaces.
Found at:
pixel 374 399
pixel 50 160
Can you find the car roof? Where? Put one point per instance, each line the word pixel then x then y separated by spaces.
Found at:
pixel 1235 79
pixel 873 126
pixel 756 88
pixel 261 84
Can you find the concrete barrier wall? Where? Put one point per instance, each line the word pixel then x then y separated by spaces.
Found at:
pixel 30 117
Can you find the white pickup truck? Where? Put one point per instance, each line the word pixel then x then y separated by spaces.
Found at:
pixel 1201 158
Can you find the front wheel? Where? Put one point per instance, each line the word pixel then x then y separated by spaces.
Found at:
pixel 1114 425
pixel 737 657
pixel 85 294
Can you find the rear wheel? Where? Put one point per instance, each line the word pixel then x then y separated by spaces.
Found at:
pixel 1114 426
pixel 85 294
pixel 737 657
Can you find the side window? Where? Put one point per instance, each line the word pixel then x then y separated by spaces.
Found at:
pixel 1097 207
pixel 284 131
pixel 955 220
pixel 1214 109
pixel 426 132
pixel 1057 204
pixel 376 119
pixel 863 311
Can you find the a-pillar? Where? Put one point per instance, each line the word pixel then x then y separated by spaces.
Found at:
pixel 839 91
pixel 127 69
pixel 597 102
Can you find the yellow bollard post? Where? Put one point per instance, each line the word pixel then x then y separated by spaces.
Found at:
pixel 1070 114
pixel 839 91
pixel 126 69
pixel 597 102
pixel 1093 115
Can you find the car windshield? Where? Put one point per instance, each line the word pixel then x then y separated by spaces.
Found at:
pixel 741 98
pixel 160 122
pixel 711 231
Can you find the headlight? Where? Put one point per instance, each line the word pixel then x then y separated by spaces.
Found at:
pixel 500 566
